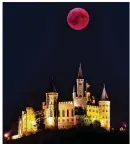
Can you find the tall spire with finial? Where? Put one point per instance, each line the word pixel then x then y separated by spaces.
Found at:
pixel 52 86
pixel 104 95
pixel 80 74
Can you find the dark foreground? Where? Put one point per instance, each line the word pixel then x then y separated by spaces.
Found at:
pixel 74 136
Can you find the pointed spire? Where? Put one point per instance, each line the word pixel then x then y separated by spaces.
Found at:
pixel 73 88
pixel 80 74
pixel 104 95
pixel 52 86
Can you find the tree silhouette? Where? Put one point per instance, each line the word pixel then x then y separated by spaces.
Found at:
pixel 96 123
pixel 40 120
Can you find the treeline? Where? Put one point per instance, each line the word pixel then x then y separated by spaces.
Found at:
pixel 77 135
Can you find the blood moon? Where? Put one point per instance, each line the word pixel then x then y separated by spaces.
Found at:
pixel 78 18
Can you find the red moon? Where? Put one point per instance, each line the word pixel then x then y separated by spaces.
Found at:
pixel 78 18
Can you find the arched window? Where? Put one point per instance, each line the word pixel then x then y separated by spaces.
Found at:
pixel 63 113
pixel 67 113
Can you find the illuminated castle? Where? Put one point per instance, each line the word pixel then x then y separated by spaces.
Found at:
pixel 68 113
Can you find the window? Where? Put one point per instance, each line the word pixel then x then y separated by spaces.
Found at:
pixel 67 113
pixel 90 110
pixel 72 113
pixel 106 111
pixel 72 120
pixel 97 111
pixel 63 113
pixel 51 113
pixel 103 110
pixel 93 110
pixel 63 120
pixel 67 120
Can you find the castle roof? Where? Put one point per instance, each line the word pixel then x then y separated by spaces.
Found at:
pixel 80 73
pixel 104 95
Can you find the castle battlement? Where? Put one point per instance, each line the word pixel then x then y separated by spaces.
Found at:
pixel 66 102
pixel 92 106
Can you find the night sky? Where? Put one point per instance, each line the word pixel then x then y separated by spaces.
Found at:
pixel 39 44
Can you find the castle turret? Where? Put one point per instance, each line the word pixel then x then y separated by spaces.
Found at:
pixel 104 110
pixel 52 106
pixel 74 92
pixel 80 83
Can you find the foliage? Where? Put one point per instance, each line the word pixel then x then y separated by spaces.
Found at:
pixel 40 119
pixel 96 123
pixel 85 120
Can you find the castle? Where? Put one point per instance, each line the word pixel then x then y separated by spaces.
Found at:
pixel 67 114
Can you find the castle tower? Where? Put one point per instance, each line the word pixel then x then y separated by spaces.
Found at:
pixel 80 83
pixel 51 107
pixel 104 110
pixel 79 97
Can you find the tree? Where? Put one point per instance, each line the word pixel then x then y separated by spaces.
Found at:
pixel 85 120
pixel 96 123
pixel 40 119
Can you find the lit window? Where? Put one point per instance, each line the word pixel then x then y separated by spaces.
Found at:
pixel 51 113
pixel 63 113
pixel 67 113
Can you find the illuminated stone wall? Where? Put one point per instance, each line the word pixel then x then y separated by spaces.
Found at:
pixel 104 114
pixel 92 112
pixel 66 114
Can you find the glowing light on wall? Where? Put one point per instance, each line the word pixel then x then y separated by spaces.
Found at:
pixel 33 123
pixel 6 135
pixel 50 120
pixel 15 137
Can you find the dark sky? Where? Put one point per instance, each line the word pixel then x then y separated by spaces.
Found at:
pixel 38 44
